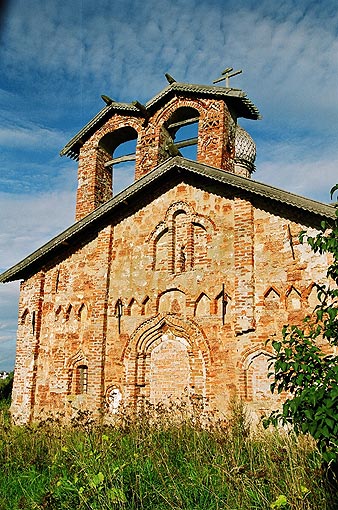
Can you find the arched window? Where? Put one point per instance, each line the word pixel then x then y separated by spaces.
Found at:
pixel 121 144
pixel 81 379
pixel 183 129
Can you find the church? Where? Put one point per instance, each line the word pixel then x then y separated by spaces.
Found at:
pixel 170 288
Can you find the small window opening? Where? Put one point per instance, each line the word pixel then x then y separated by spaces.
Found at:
pixel 33 323
pixel 57 280
pixel 81 381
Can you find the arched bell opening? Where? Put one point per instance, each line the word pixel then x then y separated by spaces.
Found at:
pixel 121 145
pixel 182 126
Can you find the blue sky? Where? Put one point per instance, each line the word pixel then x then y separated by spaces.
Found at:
pixel 57 57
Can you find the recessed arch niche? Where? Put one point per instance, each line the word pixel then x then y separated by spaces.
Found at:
pixel 167 358
pixel 256 369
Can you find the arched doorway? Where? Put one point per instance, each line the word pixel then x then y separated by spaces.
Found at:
pixel 167 358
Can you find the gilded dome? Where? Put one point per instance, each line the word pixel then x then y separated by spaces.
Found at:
pixel 245 149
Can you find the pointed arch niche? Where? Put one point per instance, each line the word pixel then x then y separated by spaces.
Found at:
pixel 27 322
pixel 202 305
pixel 293 299
pixel 167 358
pixel 312 296
pixel 272 298
pixel 256 381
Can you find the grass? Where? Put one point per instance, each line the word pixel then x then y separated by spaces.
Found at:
pixel 158 463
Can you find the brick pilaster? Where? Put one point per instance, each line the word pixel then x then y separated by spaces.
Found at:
pixel 244 266
pixel 27 349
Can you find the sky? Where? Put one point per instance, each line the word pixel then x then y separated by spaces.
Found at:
pixel 58 56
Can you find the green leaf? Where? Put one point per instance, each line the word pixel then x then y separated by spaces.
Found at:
pixel 280 502
pixel 97 479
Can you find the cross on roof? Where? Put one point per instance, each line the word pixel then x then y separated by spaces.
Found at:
pixel 226 75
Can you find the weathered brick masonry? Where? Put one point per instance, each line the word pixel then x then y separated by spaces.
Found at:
pixel 172 287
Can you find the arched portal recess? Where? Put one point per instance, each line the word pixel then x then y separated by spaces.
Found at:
pixel 167 358
pixel 121 145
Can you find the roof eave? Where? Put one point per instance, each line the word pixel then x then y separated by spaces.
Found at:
pixel 240 183
pixel 72 148
pixel 242 105
pixel 248 110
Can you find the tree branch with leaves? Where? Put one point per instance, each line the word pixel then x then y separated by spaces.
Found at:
pixel 299 366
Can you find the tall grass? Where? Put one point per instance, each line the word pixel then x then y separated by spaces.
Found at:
pixel 156 461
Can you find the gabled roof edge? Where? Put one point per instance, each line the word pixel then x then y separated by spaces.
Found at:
pixel 72 148
pixel 241 183
pixel 76 142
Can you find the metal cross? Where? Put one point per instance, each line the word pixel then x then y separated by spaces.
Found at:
pixel 226 74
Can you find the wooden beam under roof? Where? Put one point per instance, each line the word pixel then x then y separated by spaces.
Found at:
pixel 182 123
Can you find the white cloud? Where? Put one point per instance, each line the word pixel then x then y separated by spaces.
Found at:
pixel 26 222
pixel 29 136
pixel 312 179
pixel 289 54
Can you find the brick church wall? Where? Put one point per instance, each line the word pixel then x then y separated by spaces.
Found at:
pixel 176 298
pixel 167 265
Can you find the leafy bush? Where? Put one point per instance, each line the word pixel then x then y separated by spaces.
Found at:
pixel 6 386
pixel 302 369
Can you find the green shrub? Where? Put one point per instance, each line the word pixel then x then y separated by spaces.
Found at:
pixel 301 368
pixel 6 386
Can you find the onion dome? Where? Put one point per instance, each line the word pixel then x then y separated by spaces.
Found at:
pixel 245 151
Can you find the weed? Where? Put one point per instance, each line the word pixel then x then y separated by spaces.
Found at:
pixel 162 457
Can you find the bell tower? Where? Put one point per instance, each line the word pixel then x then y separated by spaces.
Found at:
pixel 212 109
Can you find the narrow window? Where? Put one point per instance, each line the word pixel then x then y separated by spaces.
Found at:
pixel 57 280
pixel 81 383
pixel 33 323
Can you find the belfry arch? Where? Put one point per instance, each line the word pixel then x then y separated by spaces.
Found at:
pixel 167 358
pixel 121 145
pixel 182 126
